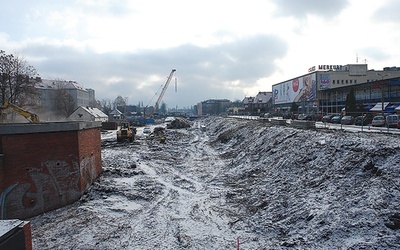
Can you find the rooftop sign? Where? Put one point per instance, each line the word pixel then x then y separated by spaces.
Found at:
pixel 326 67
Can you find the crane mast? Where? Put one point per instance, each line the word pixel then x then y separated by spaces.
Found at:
pixel 162 92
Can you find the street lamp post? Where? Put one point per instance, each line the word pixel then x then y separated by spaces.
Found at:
pixel 382 94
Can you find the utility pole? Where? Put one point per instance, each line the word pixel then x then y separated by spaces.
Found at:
pixel 382 92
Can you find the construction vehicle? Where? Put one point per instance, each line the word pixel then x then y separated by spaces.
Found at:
pixel 31 117
pixel 126 132
pixel 161 94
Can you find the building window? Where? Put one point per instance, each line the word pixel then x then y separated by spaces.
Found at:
pixel 333 81
pixel 355 80
pixel 342 81
pixel 351 81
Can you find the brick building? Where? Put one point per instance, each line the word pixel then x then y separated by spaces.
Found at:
pixel 44 166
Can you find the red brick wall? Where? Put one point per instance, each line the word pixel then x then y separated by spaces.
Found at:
pixel 89 144
pixel 51 170
pixel 28 235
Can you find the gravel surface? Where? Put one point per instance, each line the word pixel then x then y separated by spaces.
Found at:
pixel 238 185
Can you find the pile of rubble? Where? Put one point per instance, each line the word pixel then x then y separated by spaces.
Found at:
pixel 178 123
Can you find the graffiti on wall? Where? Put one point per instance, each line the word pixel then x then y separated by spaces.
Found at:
pixel 54 184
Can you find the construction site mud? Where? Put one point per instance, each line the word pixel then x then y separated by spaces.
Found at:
pixel 234 184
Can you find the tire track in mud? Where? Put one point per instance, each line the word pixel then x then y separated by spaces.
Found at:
pixel 149 196
pixel 188 213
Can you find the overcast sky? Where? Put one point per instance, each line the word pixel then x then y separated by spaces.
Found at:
pixel 220 49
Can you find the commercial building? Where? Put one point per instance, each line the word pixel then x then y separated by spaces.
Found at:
pixel 324 89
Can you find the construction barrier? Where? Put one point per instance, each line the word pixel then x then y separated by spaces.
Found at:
pixel 302 124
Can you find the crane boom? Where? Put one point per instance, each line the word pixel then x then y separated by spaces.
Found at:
pixel 162 92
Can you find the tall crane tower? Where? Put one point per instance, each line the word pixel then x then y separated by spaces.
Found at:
pixel 162 93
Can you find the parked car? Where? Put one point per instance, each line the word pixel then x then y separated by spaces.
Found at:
pixel 146 130
pixel 398 124
pixel 336 119
pixel 392 120
pixel 327 118
pixel 362 120
pixel 347 120
pixel 378 121
pixel 304 117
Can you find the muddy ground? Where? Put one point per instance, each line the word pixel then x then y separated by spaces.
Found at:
pixel 238 184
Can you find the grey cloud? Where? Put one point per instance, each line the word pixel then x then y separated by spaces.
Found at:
pixel 388 13
pixel 375 54
pixel 202 72
pixel 301 8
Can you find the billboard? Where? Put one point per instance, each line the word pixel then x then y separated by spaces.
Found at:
pixel 325 81
pixel 296 90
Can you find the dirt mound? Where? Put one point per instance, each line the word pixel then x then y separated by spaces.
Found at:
pixel 178 123
pixel 312 189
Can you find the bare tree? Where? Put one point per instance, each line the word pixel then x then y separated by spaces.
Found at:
pixel 63 102
pixel 106 106
pixel 119 102
pixel 17 80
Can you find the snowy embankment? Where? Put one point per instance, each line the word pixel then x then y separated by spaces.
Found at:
pixel 312 189
pixel 240 183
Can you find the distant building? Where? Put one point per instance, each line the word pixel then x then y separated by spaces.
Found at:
pixel 49 97
pixel 47 90
pixel 88 114
pixel 92 98
pixel 115 115
pixel 236 111
pixel 130 110
pixel 213 107
pixel 261 103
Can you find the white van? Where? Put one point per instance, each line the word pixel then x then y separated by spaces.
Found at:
pixel 391 120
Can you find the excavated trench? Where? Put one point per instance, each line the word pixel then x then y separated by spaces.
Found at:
pixel 238 184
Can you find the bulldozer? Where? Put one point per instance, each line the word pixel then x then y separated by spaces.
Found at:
pixel 126 132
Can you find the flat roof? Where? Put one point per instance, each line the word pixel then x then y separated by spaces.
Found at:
pixel 44 127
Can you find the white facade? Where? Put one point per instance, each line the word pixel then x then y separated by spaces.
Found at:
pixel 353 74
pixel 47 89
pixel 88 114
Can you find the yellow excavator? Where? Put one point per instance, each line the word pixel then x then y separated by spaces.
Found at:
pixel 31 117
pixel 126 132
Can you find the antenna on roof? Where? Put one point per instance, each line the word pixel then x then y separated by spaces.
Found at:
pixel 356 57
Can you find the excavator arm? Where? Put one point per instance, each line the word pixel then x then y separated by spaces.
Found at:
pixel 28 115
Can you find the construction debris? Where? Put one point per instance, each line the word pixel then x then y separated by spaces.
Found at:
pixel 158 134
pixel 178 123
